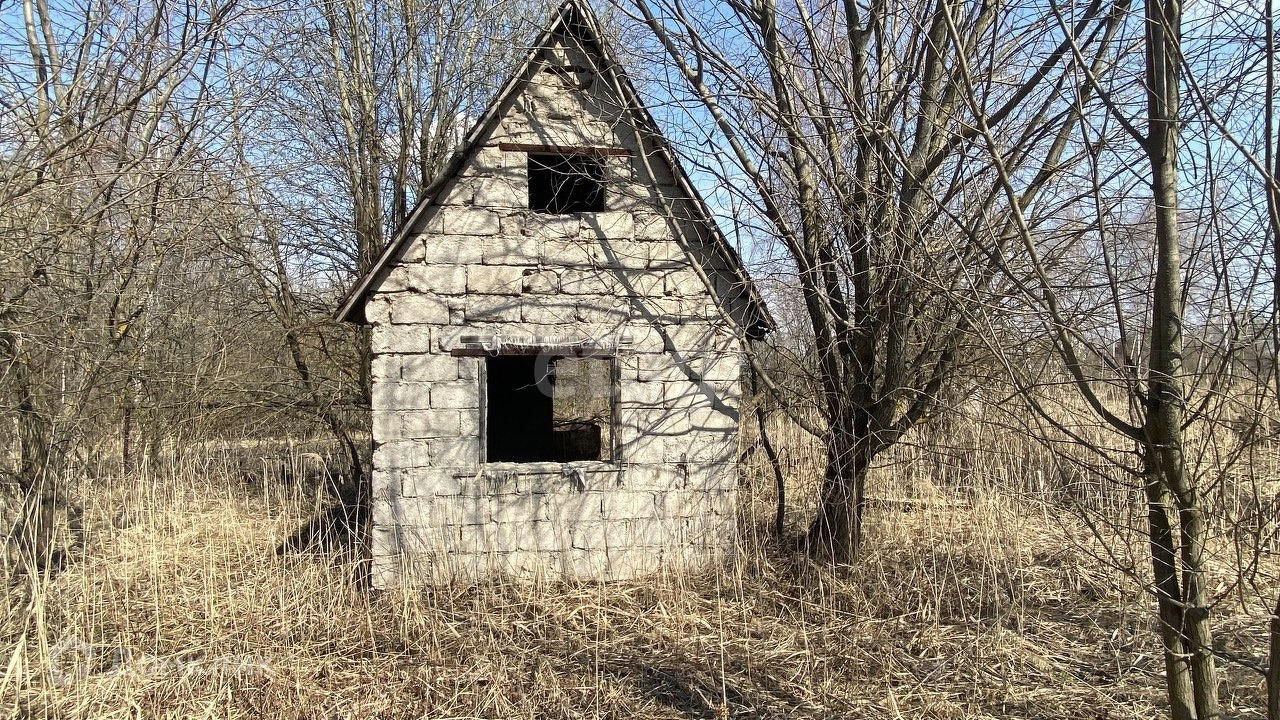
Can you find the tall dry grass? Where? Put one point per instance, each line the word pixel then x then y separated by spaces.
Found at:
pixel 982 597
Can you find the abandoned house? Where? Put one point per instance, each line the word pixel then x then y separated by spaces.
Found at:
pixel 556 339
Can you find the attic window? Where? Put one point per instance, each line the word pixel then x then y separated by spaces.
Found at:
pixel 548 409
pixel 560 184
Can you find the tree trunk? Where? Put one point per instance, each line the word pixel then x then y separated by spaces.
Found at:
pixel 1164 570
pixel 1166 470
pixel 1273 664
pixel 836 531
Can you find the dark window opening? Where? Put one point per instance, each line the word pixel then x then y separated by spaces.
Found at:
pixel 565 183
pixel 548 409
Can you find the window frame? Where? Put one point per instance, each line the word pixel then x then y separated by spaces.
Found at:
pixel 547 159
pixel 615 399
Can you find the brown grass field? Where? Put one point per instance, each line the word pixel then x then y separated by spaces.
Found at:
pixel 968 602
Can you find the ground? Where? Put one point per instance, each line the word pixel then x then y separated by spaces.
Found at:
pixel 965 605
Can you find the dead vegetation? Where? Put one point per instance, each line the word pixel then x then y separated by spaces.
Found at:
pixel 974 601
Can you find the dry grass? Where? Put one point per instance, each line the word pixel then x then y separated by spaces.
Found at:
pixel 975 604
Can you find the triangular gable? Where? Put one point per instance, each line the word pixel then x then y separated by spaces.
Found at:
pixel 576 20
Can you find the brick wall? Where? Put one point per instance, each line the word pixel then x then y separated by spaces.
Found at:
pixel 482 264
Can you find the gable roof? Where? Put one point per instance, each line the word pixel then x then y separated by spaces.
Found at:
pixel 573 18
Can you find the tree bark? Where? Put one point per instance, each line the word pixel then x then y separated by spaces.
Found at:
pixel 1165 467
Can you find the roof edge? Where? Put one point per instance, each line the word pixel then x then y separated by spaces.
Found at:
pixel 576 17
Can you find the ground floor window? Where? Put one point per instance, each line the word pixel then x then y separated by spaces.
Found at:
pixel 548 408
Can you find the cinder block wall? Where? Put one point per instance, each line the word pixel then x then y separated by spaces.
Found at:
pixel 482 264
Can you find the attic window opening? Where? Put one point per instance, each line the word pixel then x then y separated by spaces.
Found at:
pixel 544 408
pixel 562 184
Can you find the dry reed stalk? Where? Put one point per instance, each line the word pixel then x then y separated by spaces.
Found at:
pixel 984 599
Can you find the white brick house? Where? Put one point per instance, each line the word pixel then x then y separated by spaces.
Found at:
pixel 556 333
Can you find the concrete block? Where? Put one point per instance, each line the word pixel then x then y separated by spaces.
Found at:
pixel 540 282
pixel 491 161
pixel 443 250
pixel 468 368
pixel 456 395
pixel 401 339
pixel 569 252
pixel 463 221
pixel 626 254
pixel 643 450
pixel 687 395
pixel 455 452
pixel 684 283
pixel 459 191
pixel 418 424
pixel 713 420
pixel 588 282
pixel 426 367
pixel 589 536
pixel 628 504
pixel 377 311
pixel 587 564
pixel 430 482
pixel 648 287
pixel 572 508
pixel 542 225
pixel 652 478
pixel 650 532
pixel 417 309
pixel 601 311
pixel 518 508
pixel 652 226
pixel 703 447
pixel 492 308
pixel 419 277
pixel 400 395
pixel 400 453
pixel 494 279
pixel 506 190
pixel 608 225
pixel 511 249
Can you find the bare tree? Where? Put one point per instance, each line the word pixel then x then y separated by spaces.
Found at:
pixel 858 162
pixel 1149 343
pixel 108 108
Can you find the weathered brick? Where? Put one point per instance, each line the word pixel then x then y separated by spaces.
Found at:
pixel 492 308
pixel 509 249
pixel 540 281
pixel 417 309
pixel 455 452
pixel 588 282
pixel 438 250
pixel 463 221
pixel 458 395
pixel 494 279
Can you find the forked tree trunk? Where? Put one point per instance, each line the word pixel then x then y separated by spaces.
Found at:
pixel 836 531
